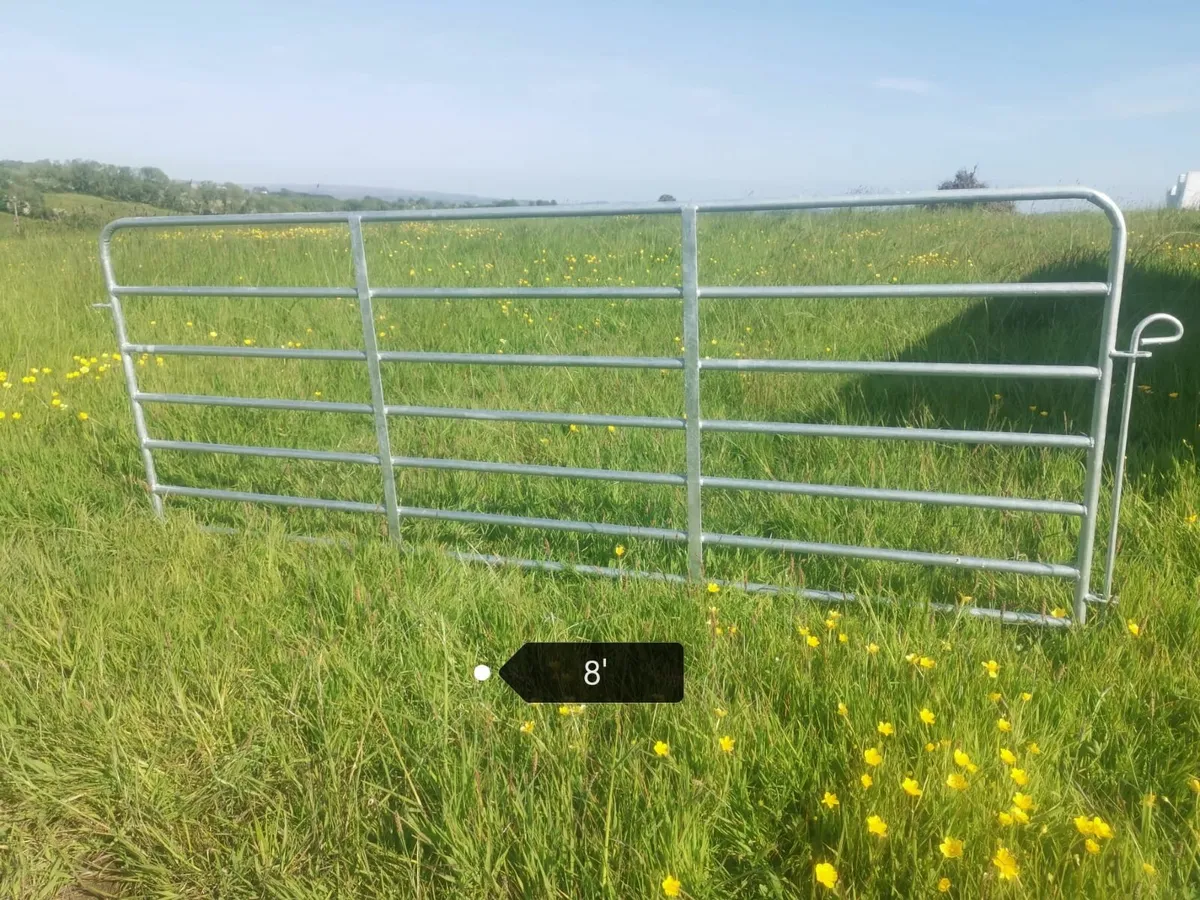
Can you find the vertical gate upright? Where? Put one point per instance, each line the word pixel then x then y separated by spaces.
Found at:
pixel 1107 295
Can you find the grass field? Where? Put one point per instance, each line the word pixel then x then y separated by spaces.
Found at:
pixel 197 715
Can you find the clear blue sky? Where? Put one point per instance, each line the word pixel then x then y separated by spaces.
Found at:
pixel 615 100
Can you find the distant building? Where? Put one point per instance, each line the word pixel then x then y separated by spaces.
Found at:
pixel 1185 194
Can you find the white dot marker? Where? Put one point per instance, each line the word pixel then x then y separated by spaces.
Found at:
pixel 482 672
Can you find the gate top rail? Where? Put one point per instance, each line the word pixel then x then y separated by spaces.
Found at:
pixel 584 210
pixel 690 291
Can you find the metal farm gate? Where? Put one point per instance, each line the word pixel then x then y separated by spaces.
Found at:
pixel 1108 300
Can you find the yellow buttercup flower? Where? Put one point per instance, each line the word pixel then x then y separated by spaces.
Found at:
pixel 826 875
pixel 619 551
pixel 1149 869
pixel 957 781
pixel 671 886
pixel 1008 757
pixel 866 780
pixel 1019 776
pixel 872 756
pixel 927 716
pixel 1091 846
pixel 951 847
pixel 885 728
pixel 992 668
pixel 1019 815
pixel 1006 864
pixel 714 588
pixel 726 744
pixel 1033 748
pixel 662 748
pixel 926 662
pixel 720 712
pixel 843 710
pixel 83 417
pixel 943 885
pixel 830 799
pixel 813 641
pixel 1026 696
pixel 1022 802
pixel 872 648
pixel 1134 628
pixel 911 787
pixel 1004 818
pixel 1058 612
pixel 527 727
pixel 876 826
pixel 1004 725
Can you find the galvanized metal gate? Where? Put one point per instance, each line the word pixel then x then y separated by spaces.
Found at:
pixel 691 292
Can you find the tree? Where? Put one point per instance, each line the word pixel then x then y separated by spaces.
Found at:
pixel 666 198
pixel 967 180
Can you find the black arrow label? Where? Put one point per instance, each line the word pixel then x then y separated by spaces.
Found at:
pixel 596 673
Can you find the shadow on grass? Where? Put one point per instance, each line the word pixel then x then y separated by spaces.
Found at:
pixel 1055 331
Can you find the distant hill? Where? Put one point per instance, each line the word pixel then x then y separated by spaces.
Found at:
pixel 37 190
pixel 358 192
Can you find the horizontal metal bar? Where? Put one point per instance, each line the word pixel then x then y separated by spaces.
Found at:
pixel 397 215
pixel 206 290
pixel 546 418
pixel 1021 567
pixel 455 515
pixel 847 291
pixel 1007 616
pixel 273 452
pixel 936 498
pixel 530 293
pixel 886 433
pixel 1010 617
pixel 174 490
pixel 243 352
pixel 252 402
pixel 980 370
pixel 981 195
pixel 468 465
pixel 529 359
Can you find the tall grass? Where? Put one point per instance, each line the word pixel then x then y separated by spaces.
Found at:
pixel 189 714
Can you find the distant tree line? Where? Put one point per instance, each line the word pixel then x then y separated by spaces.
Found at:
pixel 24 186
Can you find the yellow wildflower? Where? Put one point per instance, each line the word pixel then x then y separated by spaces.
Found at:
pixel 1008 757
pixel 872 648
pixel 662 748
pixel 866 780
pixel 951 847
pixel 1149 869
pixel 714 588
pixel 927 716
pixel 671 886
pixel 1006 864
pixel 877 826
pixel 830 799
pixel 1019 776
pixel 619 551
pixel 885 728
pixel 943 885
pixel 872 756
pixel 842 709
pixel 1004 818
pixel 527 727
pixel 1022 802
pixel 1134 628
pixel 992 668
pixel 911 787
pixel 726 744
pixel 1091 846
pixel 956 781
pixel 1033 748
pixel 1004 725
pixel 813 641
pixel 83 417
pixel 826 875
